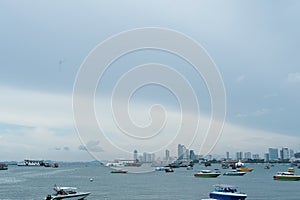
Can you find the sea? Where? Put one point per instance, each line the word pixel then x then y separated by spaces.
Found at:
pixel 37 182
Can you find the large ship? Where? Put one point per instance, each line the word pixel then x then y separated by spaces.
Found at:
pixel 34 163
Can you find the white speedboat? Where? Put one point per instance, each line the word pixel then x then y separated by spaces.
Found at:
pixel 67 193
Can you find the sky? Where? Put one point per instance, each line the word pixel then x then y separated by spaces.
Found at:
pixel 254 44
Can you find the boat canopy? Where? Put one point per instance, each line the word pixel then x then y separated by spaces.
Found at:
pixel 65 188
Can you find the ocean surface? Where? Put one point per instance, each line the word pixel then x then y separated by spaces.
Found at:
pixel 36 182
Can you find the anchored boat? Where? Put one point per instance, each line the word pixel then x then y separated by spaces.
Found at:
pixel 67 193
pixel 234 173
pixel 227 192
pixel 286 176
pixel 207 174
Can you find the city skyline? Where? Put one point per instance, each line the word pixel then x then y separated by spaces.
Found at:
pixel 184 154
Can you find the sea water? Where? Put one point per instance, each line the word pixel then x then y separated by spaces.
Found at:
pixel 36 182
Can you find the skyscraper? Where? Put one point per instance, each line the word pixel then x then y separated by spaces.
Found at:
pixel 180 151
pixel 227 155
pixel 239 155
pixel 273 154
pixel 135 155
pixel 255 156
pixel 285 153
pixel 192 155
pixel 266 157
pixel 167 155
pixel 247 155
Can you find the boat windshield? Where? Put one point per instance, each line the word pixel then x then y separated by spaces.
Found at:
pixel 226 188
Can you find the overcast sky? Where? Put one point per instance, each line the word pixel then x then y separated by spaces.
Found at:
pixel 254 44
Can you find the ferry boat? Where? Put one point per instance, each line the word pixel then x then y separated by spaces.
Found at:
pixel 67 193
pixel 227 192
pixel 234 173
pixel 124 163
pixel 286 176
pixel 207 174
pixel 34 163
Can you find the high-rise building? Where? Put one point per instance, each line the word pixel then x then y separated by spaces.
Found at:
pixel 273 154
pixel 285 153
pixel 292 153
pixel 266 157
pixel 247 155
pixel 135 155
pixel 255 156
pixel 167 155
pixel 239 155
pixel 192 155
pixel 180 151
pixel 152 157
pixel 186 154
pixel 227 155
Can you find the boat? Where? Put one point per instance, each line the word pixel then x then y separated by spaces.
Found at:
pixel 291 169
pixel 124 163
pixel 224 165
pixel 3 166
pixel 189 168
pixel 160 168
pixel 207 164
pixel 30 163
pixel 267 167
pixel 239 164
pixel 54 165
pixel 242 168
pixel 286 176
pixel 67 193
pixel 234 173
pixel 207 174
pixel 167 170
pixel 227 192
pixel 119 171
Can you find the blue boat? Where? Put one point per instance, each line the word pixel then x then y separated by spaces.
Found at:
pixel 227 192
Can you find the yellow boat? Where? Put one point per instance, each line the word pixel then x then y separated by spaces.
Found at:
pixel 291 169
pixel 244 169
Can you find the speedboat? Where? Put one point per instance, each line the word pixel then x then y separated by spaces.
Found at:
pixel 207 174
pixel 3 166
pixel 286 176
pixel 119 171
pixel 167 170
pixel 242 168
pixel 67 193
pixel 291 169
pixel 160 168
pixel 234 173
pixel 227 192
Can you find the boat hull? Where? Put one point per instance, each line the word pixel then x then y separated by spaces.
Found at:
pixel 227 196
pixel 77 196
pixel 287 178
pixel 245 169
pixel 234 173
pixel 207 175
